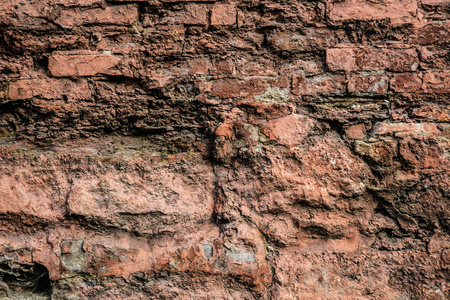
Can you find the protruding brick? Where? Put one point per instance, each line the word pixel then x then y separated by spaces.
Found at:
pixel 114 15
pixel 406 83
pixel 354 59
pixel 320 84
pixel 70 64
pixel 399 11
pixel 223 14
pixel 368 83
pixel 437 81
pixel 48 89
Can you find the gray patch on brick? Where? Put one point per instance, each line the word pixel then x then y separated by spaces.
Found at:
pixel 274 95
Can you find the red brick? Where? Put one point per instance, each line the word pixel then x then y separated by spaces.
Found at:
pixel 255 66
pixel 403 129
pixel 356 132
pixel 115 15
pixel 288 131
pixel 435 2
pixel 69 64
pixel 431 33
pixel 191 14
pixel 398 11
pixel 75 2
pixel 224 67
pixel 132 1
pixel 401 60
pixel 353 59
pixel 254 86
pixel 48 89
pixel 163 40
pixel 437 82
pixel 200 66
pixel 23 14
pixel 320 84
pixel 225 130
pixel 309 38
pixel 307 67
pixel 223 14
pixel 230 88
pixel 406 83
pixel 172 1
pixel 368 83
pixel 432 113
pixel 341 59
pixel 434 57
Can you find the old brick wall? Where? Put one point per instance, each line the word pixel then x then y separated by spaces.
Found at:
pixel 254 149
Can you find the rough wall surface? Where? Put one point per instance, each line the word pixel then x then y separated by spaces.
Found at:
pixel 256 149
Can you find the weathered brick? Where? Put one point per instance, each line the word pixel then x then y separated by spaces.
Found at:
pixel 174 1
pixel 300 66
pixel 435 2
pixel 432 113
pixel 133 1
pixel 288 131
pixel 70 64
pixel 224 67
pixel 341 59
pixel 435 9
pixel 23 14
pixel 305 12
pixel 166 39
pixel 200 66
pixel 398 11
pixel 354 59
pixel 255 66
pixel 49 89
pixel 437 81
pixel 254 86
pixel 406 83
pixel 114 15
pixel 320 84
pixel 191 14
pixel 404 129
pixel 229 88
pixel 308 38
pixel 68 3
pixel 356 132
pixel 368 83
pixel 431 33
pixel 434 57
pixel 223 14
pixel 401 60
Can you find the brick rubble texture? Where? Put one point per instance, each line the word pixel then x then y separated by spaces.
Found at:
pixel 263 149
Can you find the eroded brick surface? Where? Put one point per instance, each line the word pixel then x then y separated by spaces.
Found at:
pixel 182 149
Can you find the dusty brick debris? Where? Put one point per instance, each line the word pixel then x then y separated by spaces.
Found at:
pixel 200 149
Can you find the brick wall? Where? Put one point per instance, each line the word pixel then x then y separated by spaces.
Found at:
pixel 211 149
